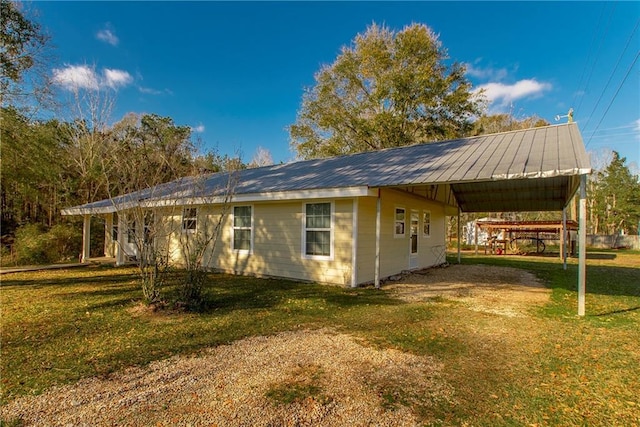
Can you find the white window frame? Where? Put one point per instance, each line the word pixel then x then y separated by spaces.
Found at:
pixel 424 214
pixel 395 222
pixel 305 229
pixel 234 228
pixel 189 218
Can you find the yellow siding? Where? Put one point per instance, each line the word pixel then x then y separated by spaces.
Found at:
pixel 277 244
pixel 395 251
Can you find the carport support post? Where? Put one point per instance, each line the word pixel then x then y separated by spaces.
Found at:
pixel 563 238
pixel 582 237
pixel 459 259
pixel 86 238
pixel 377 266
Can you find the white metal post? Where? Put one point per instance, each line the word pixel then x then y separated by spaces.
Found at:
pixel 122 231
pixel 563 238
pixel 459 257
pixel 582 254
pixel 377 267
pixel 86 238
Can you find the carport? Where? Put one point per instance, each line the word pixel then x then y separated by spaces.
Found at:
pixel 538 169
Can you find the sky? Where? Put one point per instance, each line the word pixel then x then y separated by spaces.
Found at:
pixel 235 72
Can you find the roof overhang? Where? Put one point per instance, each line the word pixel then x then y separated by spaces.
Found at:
pixel 516 195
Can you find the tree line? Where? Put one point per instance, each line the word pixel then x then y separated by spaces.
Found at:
pixel 387 88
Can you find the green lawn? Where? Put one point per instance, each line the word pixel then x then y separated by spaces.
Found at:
pixel 550 368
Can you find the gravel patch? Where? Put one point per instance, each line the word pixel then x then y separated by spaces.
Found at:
pixel 229 385
pixel 503 291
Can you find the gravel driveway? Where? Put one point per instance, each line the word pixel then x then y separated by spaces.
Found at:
pixel 230 385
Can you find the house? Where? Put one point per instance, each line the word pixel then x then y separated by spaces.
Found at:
pixel 357 218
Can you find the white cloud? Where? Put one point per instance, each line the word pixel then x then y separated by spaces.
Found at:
pixel 636 128
pixel 503 94
pixel 116 78
pixel 198 129
pixel 149 91
pixel 74 77
pixel 108 36
pixel 487 73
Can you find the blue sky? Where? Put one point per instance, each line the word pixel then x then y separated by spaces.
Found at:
pixel 235 71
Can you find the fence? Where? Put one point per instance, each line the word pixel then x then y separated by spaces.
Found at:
pixel 613 241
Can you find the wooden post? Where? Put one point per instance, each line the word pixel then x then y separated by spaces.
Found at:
pixel 86 238
pixel 582 254
pixel 377 266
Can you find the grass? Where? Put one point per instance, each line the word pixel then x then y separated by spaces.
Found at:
pixel 549 368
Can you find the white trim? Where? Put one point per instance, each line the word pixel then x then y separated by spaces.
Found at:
pixel 396 235
pixel 423 234
pixel 233 229
pixel 189 230
pixel 354 244
pixel 331 255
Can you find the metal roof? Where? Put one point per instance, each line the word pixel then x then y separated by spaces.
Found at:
pixel 525 170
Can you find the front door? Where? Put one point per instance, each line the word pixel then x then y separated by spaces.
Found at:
pixel 413 240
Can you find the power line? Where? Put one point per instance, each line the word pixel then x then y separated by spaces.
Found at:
pixel 593 42
pixel 615 95
pixel 604 36
pixel 613 72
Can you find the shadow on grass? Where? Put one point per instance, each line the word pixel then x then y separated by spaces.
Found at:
pixel 229 293
pixel 602 280
pixel 627 310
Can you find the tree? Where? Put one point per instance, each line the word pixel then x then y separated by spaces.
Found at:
pixel 23 68
pixel 387 89
pixel 262 157
pixel 616 198
pixel 505 122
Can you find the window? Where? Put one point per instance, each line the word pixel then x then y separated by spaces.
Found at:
pixel 399 222
pixel 317 230
pixel 189 219
pixel 149 222
pixel 426 223
pixel 131 229
pixel 242 228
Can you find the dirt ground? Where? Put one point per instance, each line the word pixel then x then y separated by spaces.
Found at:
pixel 230 384
pixel 499 290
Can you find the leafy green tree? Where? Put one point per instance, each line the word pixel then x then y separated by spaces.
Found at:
pixel 23 73
pixel 387 89
pixel 616 198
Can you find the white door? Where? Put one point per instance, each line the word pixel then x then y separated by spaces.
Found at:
pixel 413 240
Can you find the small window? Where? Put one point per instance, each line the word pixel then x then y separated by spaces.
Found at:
pixel 317 229
pixel 242 228
pixel 189 219
pixel 426 223
pixel 149 222
pixel 399 222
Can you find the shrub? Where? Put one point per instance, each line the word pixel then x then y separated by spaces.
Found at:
pixel 35 245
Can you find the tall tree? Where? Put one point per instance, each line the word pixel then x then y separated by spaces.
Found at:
pixel 616 195
pixel 387 89
pixel 23 73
